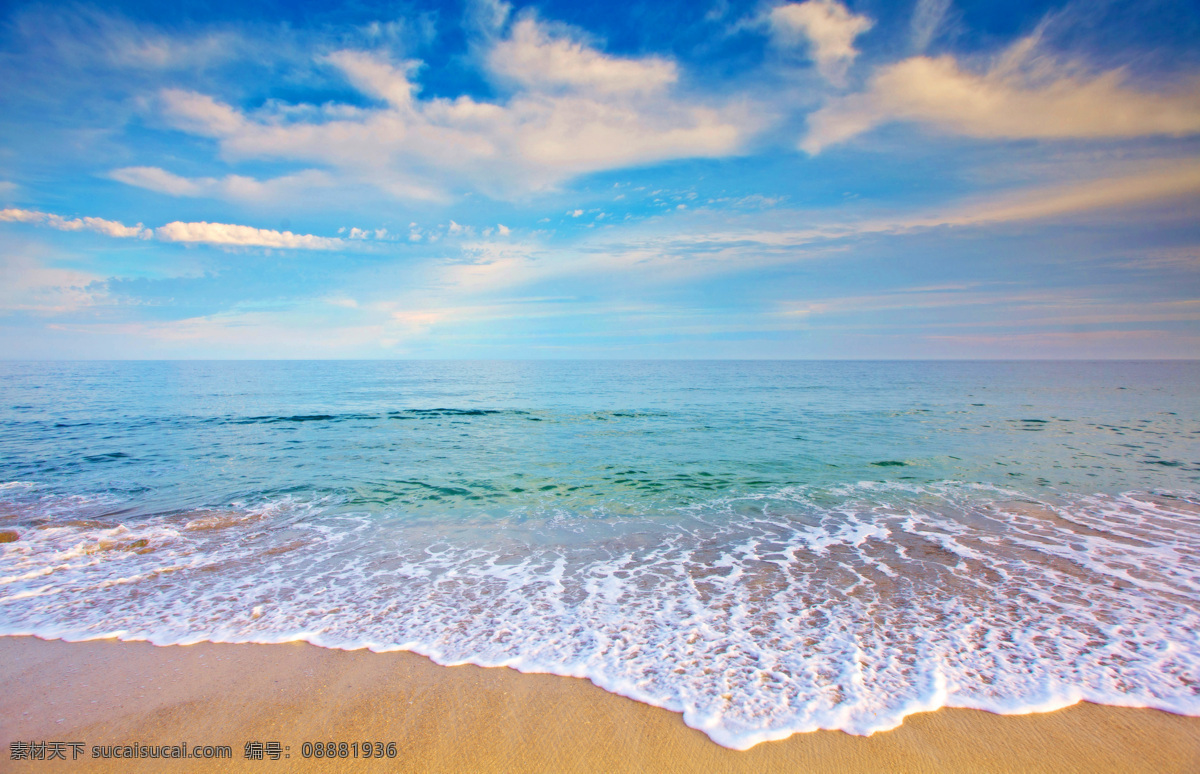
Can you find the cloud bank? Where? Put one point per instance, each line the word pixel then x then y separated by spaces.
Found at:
pixel 571 109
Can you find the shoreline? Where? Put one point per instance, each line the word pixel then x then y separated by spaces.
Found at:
pixel 468 718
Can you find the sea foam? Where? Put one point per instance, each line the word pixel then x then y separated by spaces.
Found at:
pixel 757 616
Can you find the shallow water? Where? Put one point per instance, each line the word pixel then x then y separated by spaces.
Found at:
pixel 767 547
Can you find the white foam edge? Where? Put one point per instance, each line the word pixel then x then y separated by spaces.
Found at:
pixel 941 697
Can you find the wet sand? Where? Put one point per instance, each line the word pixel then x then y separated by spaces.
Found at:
pixel 468 719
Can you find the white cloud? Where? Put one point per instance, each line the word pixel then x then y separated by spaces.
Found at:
pixel 377 77
pixel 242 236
pixel 575 213
pixel 503 229
pixel 200 114
pixel 533 58
pixel 1023 95
pixel 11 215
pixel 827 26
pixel 110 228
pixel 193 233
pixel 237 187
pixel 590 112
pixel 162 181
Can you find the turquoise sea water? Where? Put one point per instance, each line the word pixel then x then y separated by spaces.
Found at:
pixel 768 547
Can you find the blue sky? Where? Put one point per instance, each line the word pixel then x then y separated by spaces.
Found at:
pixel 928 179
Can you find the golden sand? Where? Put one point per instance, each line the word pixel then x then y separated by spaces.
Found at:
pixel 468 719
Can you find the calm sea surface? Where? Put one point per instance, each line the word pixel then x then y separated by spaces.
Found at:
pixel 768 547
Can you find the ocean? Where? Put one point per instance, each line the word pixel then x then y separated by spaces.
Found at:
pixel 767 547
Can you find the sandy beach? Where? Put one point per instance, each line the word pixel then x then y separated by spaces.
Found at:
pixel 110 693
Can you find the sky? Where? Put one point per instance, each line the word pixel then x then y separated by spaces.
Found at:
pixel 693 179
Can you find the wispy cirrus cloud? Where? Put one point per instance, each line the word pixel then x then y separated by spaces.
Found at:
pixel 1024 94
pixel 235 187
pixel 1161 182
pixel 1015 307
pixel 692 248
pixel 89 38
pixel 928 20
pixel 707 249
pixel 30 285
